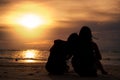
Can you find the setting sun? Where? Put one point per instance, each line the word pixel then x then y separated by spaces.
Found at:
pixel 31 21
pixel 28 15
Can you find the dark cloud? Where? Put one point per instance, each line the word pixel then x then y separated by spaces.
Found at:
pixel 4 2
pixel 106 32
pixel 4 27
pixel 5 35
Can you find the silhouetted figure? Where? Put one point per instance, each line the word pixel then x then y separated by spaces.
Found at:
pixel 100 67
pixel 56 63
pixel 71 44
pixel 87 54
pixel 16 59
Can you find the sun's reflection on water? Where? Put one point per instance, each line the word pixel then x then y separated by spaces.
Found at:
pixel 29 61
pixel 29 56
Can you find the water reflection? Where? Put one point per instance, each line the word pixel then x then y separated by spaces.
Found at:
pixel 29 61
pixel 30 54
pixel 33 56
pixel 24 56
pixel 27 56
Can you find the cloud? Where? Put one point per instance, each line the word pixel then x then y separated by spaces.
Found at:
pixel 94 10
pixel 84 10
pixel 4 2
pixel 70 16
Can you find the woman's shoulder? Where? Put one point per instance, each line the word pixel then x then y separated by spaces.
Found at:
pixel 93 43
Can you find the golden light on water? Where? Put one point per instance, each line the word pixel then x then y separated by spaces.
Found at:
pixel 29 54
pixel 29 61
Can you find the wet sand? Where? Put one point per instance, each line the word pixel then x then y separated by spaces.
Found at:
pixel 36 71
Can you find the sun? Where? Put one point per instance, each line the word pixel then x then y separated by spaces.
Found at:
pixel 31 21
pixel 28 15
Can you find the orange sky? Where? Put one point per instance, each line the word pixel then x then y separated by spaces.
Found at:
pixel 61 17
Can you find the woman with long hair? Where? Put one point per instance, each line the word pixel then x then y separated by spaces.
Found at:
pixel 87 56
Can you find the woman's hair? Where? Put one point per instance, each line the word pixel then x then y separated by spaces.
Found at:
pixel 73 37
pixel 85 33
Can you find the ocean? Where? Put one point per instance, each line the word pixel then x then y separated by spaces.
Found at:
pixel 41 56
pixel 24 56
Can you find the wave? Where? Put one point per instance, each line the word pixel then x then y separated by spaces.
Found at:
pixel 118 59
pixel 44 59
pixel 9 58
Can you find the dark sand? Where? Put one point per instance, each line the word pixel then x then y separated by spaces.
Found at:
pixel 36 71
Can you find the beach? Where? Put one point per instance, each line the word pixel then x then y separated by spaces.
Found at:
pixel 36 71
pixel 32 30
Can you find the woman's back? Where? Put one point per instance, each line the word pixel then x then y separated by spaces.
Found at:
pixel 56 63
pixel 83 60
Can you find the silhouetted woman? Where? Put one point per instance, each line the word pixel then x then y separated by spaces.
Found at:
pixel 56 63
pixel 87 54
pixel 71 44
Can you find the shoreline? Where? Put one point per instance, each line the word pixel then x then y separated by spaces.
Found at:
pixel 36 71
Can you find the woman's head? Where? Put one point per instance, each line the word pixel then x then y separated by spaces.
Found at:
pixel 73 37
pixel 85 33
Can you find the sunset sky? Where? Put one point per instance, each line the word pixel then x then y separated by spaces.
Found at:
pixel 36 23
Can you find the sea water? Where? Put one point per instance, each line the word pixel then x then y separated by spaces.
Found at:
pixel 24 56
pixel 41 56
